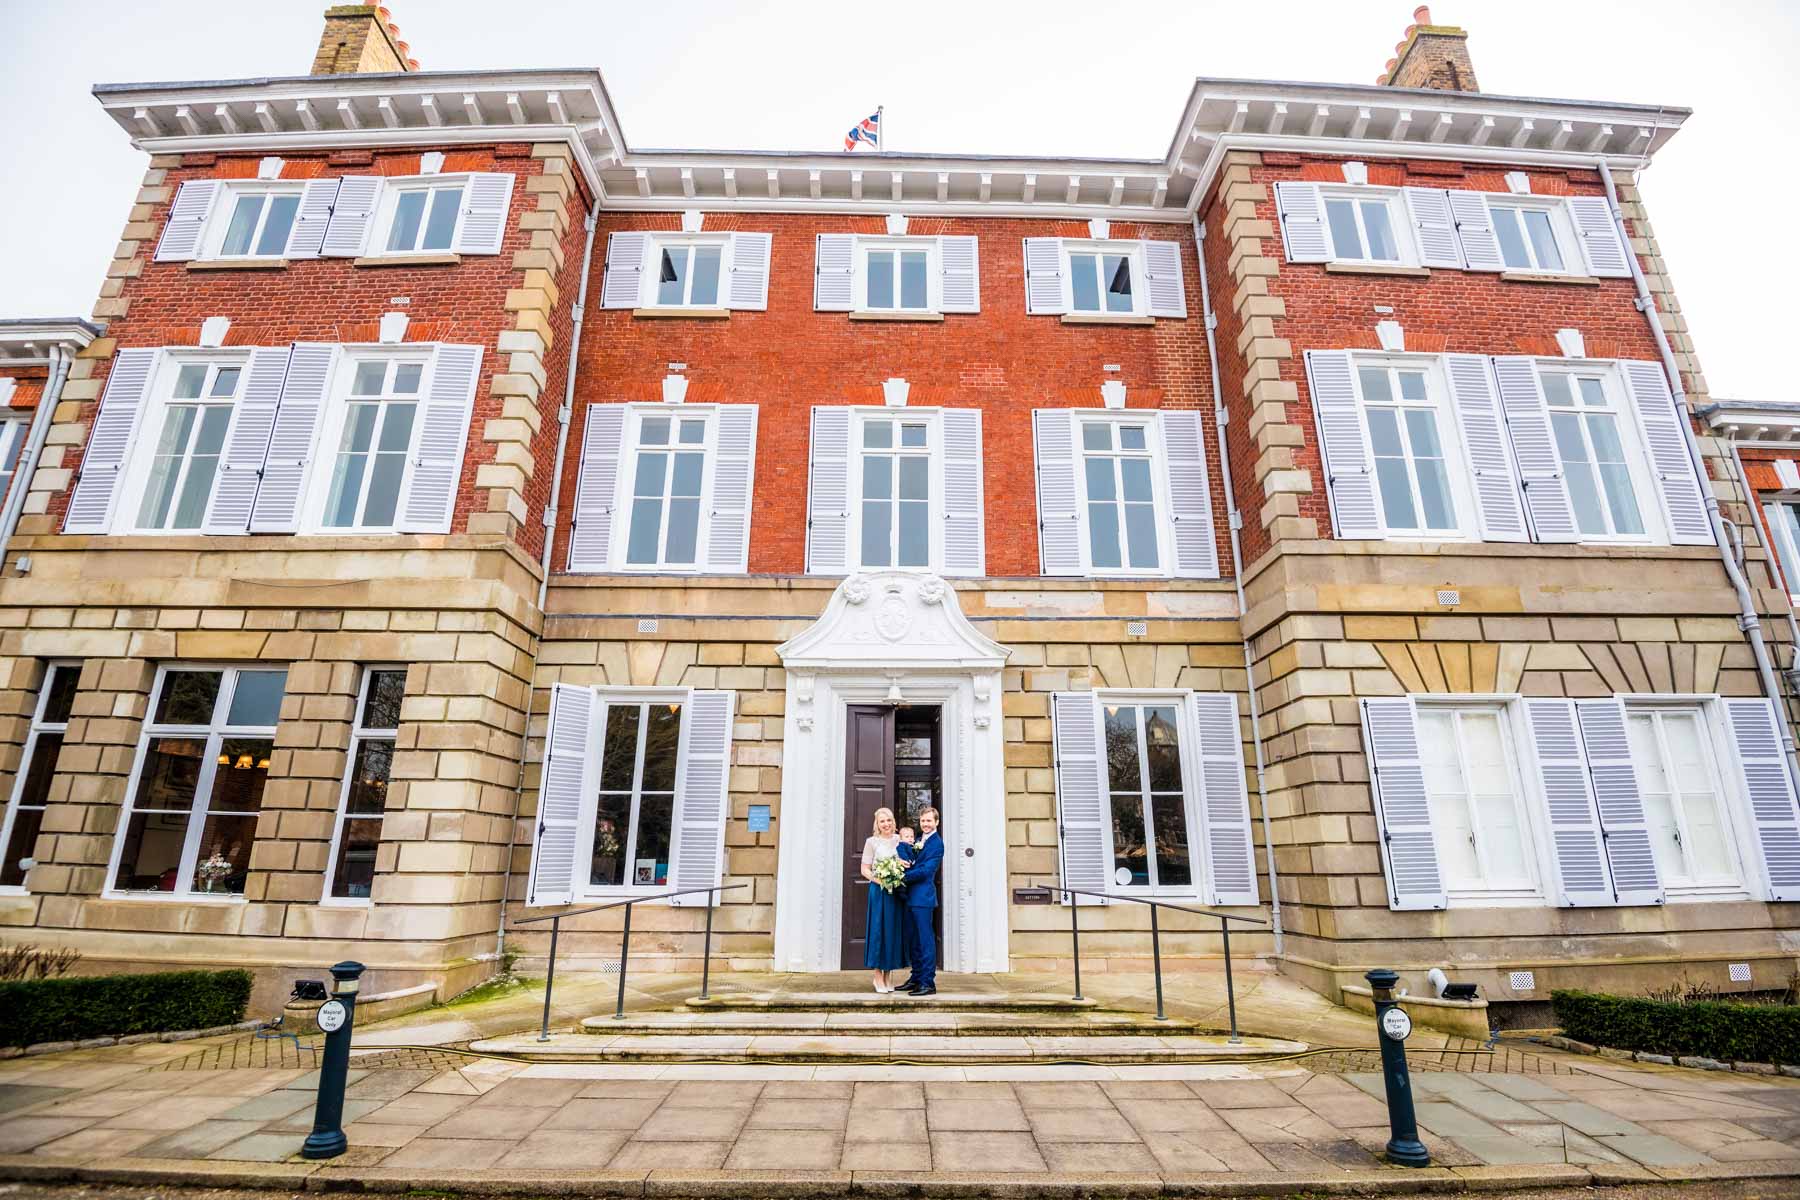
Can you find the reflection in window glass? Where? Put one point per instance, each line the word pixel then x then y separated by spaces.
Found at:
pixel 1144 785
pixel 896 493
pixel 1121 497
pixel 191 823
pixel 639 760
pixel 366 788
pixel 24 815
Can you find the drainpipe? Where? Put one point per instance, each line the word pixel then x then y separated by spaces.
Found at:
pixel 563 418
pixel 41 421
pixel 1748 621
pixel 1743 482
pixel 1236 521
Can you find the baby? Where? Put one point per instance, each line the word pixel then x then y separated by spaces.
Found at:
pixel 906 847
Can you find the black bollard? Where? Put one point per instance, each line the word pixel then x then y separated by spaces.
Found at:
pixel 336 1017
pixel 1392 1026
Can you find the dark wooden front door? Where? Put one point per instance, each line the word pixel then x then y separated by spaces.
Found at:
pixel 868 785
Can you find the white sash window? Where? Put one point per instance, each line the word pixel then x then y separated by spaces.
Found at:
pixel 186 424
pixel 1783 517
pixel 667 482
pixel 421 217
pixel 13 432
pixel 1118 460
pixel 371 439
pixel 1533 236
pixel 896 496
pixel 1150 814
pixel 1363 227
pixel 261 221
pixel 357 839
pixel 1404 410
pixel 1490 802
pixel 197 787
pixel 1598 450
pixel 24 815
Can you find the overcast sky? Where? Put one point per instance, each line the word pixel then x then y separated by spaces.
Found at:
pixel 1047 77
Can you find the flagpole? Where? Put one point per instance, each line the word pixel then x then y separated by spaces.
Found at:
pixel 880 129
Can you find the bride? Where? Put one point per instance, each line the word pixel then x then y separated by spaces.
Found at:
pixel 885 950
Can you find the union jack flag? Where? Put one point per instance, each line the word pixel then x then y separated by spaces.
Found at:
pixel 867 130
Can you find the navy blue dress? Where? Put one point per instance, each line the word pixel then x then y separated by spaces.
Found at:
pixel 885 949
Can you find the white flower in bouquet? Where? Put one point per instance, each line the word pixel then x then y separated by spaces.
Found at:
pixel 889 873
pixel 213 869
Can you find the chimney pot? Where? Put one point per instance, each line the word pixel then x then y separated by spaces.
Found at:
pixel 1408 32
pixel 1422 15
pixel 412 64
pixel 1391 64
pixel 382 12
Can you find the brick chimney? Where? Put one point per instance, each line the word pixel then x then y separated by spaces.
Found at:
pixel 1431 56
pixel 360 38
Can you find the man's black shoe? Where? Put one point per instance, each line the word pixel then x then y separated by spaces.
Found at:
pixel 909 988
pixel 930 991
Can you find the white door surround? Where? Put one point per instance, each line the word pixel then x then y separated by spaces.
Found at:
pixel 892 637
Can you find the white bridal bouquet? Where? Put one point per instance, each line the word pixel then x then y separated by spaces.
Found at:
pixel 890 873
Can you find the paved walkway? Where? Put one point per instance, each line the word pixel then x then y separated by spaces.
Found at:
pixel 115 1111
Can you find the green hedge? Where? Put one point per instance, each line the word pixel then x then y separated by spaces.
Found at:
pixel 85 1006
pixel 1768 1033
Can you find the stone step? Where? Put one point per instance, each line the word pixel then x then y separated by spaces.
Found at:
pixel 860 1049
pixel 889 1023
pixel 892 1002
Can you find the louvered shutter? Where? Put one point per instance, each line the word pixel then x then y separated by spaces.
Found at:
pixel 352 216
pixel 1044 276
pixel 734 463
pixel 702 799
pixel 747 286
pixel 247 442
pixel 1402 810
pixel 828 493
pixel 960 261
pixel 965 550
pixel 194 202
pixel 1575 843
pixel 1168 292
pixel 1546 491
pixel 1190 495
pixel 1498 503
pixel 1059 504
pixel 109 442
pixel 1350 482
pixel 1660 418
pixel 571 749
pixel 487 197
pixel 1624 831
pixel 1434 227
pixel 312 219
pixel 1475 231
pixel 597 488
pixel 1224 801
pixel 429 500
pixel 1083 827
pixel 1606 253
pixel 303 394
pixel 625 261
pixel 1302 212
pixel 1768 792
pixel 834 272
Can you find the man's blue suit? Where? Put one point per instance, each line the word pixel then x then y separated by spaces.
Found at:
pixel 921 899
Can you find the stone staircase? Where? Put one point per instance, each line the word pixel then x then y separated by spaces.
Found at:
pixel 859 1028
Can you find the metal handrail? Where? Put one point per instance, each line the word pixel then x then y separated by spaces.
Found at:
pixel 555 920
pixel 1225 920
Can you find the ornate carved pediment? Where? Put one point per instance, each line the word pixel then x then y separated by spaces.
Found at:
pixel 892 619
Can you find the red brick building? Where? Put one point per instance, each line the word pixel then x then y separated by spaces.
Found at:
pixel 464 514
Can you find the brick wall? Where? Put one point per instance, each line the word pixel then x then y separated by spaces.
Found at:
pixel 790 358
pixel 478 301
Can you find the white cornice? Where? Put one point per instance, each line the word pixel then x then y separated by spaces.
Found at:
pixel 420 108
pixel 1763 422
pixel 29 342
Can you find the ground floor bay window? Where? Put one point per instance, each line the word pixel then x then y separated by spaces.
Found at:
pixel 1491 801
pixel 198 783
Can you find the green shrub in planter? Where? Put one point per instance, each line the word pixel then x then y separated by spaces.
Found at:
pixel 85 1006
pixel 1720 1029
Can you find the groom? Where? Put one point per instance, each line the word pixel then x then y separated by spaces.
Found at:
pixel 921 899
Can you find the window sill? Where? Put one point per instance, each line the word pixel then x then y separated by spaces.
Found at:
pixel 1106 319
pixel 408 260
pixel 239 264
pixel 896 316
pixel 1344 268
pixel 172 897
pixel 1542 277
pixel 345 902
pixel 672 313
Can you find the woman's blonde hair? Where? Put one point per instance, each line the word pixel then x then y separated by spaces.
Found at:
pixel 879 813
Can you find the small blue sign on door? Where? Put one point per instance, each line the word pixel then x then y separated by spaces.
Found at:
pixel 759 818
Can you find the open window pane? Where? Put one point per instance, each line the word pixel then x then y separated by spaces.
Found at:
pixel 1512 239
pixel 409 211
pixel 441 226
pixel 672 280
pixel 1346 239
pixel 1542 233
pixel 1084 280
pixel 1380 231
pixel 1117 270
pixel 705 291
